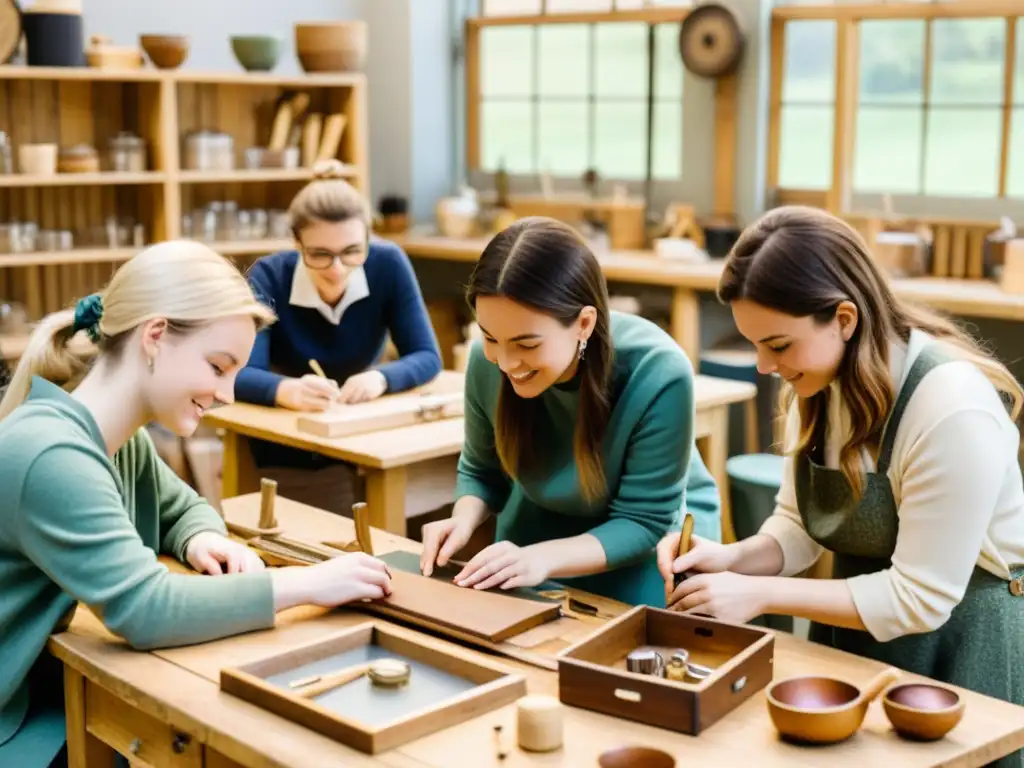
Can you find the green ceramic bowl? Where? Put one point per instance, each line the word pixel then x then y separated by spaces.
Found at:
pixel 257 53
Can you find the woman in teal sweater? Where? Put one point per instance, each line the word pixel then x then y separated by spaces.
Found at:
pixel 579 429
pixel 87 505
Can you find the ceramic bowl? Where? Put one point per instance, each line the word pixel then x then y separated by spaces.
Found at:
pixel 257 53
pixel 165 51
pixel 636 757
pixel 338 46
pixel 922 711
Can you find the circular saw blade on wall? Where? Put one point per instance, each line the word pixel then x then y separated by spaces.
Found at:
pixel 711 41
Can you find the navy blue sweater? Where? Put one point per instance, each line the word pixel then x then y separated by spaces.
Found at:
pixel 395 304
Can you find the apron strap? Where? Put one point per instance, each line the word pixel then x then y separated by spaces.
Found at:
pixel 930 357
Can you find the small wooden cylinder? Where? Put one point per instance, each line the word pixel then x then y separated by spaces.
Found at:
pixel 539 721
pixel 268 493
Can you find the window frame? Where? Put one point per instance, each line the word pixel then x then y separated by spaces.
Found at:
pixel 472 30
pixel 847 17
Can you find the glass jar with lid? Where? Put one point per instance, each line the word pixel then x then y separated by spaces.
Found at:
pixel 127 153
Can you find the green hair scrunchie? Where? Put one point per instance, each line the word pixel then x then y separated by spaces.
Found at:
pixel 88 312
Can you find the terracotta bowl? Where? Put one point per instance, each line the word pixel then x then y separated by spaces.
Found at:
pixel 338 46
pixel 922 711
pixel 165 51
pixel 636 757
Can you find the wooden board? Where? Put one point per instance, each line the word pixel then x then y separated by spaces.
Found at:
pixel 387 413
pixel 446 687
pixel 487 615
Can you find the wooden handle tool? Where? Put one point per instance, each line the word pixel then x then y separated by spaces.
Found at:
pixel 361 516
pixel 331 137
pixel 318 684
pixel 684 542
pixel 268 494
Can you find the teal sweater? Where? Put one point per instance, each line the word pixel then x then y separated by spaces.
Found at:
pixel 652 467
pixel 76 526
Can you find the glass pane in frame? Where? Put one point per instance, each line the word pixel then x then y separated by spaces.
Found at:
pixel 578 6
pixel 511 7
pixel 668 140
pixel 1015 172
pixel 962 151
pixel 506 134
pixel 888 149
pixel 620 60
pixel 668 65
pixel 967 61
pixel 892 61
pixel 809 71
pixel 506 61
pixel 805 147
pixel 620 139
pixel 563 60
pixel 562 136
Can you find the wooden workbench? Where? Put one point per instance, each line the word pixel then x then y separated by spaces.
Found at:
pixel 168 707
pixel 972 298
pixel 389 456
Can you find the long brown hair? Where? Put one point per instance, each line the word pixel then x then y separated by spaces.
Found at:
pixel 804 262
pixel 545 264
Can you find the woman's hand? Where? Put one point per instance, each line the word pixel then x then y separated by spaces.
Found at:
pixel 504 565
pixel 443 538
pixel 727 596
pixel 309 393
pixel 704 556
pixel 337 581
pixel 368 385
pixel 215 554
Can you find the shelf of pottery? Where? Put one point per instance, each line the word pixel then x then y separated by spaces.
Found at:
pixel 98 161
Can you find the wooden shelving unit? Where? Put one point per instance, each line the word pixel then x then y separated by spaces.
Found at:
pixel 69 107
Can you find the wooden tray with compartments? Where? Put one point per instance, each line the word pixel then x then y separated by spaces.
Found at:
pixel 446 686
pixel 386 413
pixel 592 674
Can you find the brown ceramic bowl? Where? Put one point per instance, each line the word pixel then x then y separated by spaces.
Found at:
pixel 338 46
pixel 165 51
pixel 922 711
pixel 636 757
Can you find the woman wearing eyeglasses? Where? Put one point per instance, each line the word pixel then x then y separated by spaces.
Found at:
pixel 337 297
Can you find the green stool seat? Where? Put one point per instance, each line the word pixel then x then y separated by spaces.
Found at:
pixel 754 480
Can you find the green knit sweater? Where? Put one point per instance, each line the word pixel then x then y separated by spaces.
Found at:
pixel 651 465
pixel 76 526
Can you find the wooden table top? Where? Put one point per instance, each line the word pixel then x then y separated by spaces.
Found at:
pixel 975 298
pixel 408 445
pixel 184 684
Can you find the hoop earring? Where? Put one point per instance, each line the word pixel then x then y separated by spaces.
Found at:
pixel 583 348
pixel 151 362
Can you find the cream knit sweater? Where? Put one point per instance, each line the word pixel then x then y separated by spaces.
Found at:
pixel 957 481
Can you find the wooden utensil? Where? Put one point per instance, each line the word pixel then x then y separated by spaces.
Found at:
pixel 318 684
pixel 684 542
pixel 636 757
pixel 923 711
pixel 823 710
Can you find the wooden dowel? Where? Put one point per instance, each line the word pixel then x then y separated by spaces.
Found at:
pixel 268 493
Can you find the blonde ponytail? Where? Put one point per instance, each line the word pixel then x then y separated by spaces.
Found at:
pixel 51 355
pixel 182 281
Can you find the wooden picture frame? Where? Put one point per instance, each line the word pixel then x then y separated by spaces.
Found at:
pixel 592 673
pixel 454 686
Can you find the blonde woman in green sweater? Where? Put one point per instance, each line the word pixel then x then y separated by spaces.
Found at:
pixel 87 505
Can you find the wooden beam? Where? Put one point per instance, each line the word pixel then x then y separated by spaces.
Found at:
pixel 844 124
pixel 472 65
pixel 778 65
pixel 655 15
pixel 726 109
pixel 1009 65
pixel 947 9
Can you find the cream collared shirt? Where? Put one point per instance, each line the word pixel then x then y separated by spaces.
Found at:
pixel 304 293
pixel 957 481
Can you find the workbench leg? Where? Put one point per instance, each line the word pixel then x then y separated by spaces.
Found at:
pixel 714 449
pixel 385 498
pixel 84 749
pixel 685 323
pixel 239 474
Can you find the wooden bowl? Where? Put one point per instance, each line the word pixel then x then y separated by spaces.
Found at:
pixel 922 711
pixel 636 757
pixel 165 51
pixel 822 710
pixel 338 46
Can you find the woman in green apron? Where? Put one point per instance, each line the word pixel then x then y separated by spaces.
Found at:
pixel 579 428
pixel 901 460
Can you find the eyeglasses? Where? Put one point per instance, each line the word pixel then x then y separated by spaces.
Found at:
pixel 321 258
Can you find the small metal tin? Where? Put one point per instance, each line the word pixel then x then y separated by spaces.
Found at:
pixel 698 671
pixel 645 661
pixel 389 673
